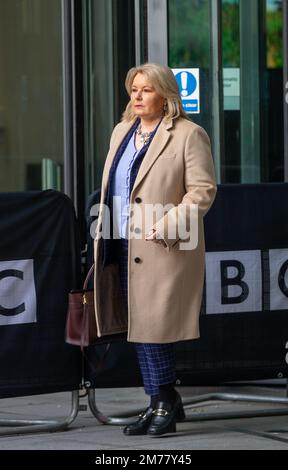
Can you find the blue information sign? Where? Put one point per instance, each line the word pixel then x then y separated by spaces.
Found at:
pixel 188 83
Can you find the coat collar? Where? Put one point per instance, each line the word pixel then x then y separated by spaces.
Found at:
pixel 155 148
pixel 158 143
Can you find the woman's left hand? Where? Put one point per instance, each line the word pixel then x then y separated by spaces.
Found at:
pixel 154 237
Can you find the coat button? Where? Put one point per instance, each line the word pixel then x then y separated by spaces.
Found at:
pixel 137 230
pixel 138 200
pixel 137 260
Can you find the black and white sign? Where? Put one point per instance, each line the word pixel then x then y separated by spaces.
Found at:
pixel 39 265
pixel 278 261
pixel 17 292
pixel 244 319
pixel 233 282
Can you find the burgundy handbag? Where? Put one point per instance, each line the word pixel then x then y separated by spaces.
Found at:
pixel 81 328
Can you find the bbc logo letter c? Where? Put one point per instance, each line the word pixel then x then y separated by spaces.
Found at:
pixel 17 292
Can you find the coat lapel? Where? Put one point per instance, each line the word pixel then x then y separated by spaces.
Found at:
pixel 157 145
pixel 121 133
pixel 155 148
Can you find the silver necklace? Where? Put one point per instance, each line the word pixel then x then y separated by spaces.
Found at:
pixel 144 136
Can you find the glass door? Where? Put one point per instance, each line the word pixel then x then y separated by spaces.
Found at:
pixel 237 46
pixel 189 42
pixel 109 52
pixel 98 87
pixel 31 104
pixel 252 87
pixel 194 43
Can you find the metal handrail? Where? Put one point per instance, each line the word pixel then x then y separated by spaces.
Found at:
pixel 127 417
pixel 123 419
pixel 24 426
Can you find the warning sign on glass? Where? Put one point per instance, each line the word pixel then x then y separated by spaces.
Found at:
pixel 189 87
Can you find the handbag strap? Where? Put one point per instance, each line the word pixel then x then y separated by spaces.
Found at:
pixel 85 314
pixel 89 274
pixel 103 357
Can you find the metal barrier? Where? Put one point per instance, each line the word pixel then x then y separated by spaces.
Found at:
pixel 125 418
pixel 25 426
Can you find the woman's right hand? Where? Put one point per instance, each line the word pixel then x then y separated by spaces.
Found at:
pixel 154 237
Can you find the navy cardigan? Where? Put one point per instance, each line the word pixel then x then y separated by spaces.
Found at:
pixel 110 245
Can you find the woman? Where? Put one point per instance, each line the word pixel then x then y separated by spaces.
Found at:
pixel 149 273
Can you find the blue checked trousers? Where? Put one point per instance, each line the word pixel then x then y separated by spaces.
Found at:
pixel 156 361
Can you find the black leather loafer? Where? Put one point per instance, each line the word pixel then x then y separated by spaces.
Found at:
pixel 164 417
pixel 141 425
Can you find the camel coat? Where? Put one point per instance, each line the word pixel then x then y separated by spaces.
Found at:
pixel 165 284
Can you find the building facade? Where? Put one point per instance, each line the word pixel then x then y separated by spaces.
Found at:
pixel 62 70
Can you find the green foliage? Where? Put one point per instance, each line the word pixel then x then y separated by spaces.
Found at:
pixel 189 38
pixel 274 39
pixel 189 34
pixel 231 35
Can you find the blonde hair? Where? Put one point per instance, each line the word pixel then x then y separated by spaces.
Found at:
pixel 165 84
